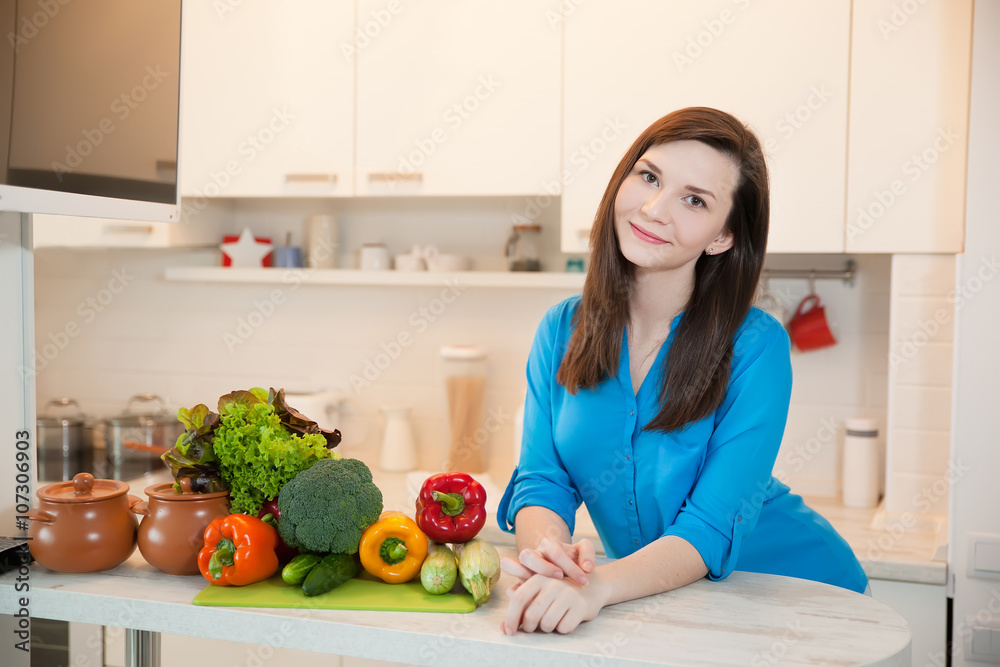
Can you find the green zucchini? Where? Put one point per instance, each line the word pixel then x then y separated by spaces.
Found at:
pixel 295 572
pixel 439 571
pixel 330 573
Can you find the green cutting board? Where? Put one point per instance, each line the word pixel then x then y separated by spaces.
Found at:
pixel 364 592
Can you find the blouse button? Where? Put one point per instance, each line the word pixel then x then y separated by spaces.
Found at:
pixel 637 541
pixel 632 412
pixel 630 502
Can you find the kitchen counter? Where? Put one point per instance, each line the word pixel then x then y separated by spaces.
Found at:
pixel 890 548
pixel 745 619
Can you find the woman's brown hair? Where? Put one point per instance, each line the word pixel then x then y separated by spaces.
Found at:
pixel 700 356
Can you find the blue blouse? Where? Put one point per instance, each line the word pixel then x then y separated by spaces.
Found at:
pixel 709 483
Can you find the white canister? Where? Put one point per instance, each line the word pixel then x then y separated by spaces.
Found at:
pixel 374 257
pixel 322 244
pixel 862 465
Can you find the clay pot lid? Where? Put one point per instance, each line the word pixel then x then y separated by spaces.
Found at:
pixel 83 488
pixel 166 491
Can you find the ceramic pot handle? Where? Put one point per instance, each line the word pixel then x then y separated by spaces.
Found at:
pixel 43 517
pixel 83 483
pixel 140 507
pixel 133 500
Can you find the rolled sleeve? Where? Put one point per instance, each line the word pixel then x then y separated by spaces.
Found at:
pixel 724 504
pixel 540 477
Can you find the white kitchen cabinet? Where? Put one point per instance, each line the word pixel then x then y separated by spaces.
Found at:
pixel 925 608
pixel 64 231
pixel 780 66
pixel 457 98
pixel 267 106
pixel 910 73
pixel 201 223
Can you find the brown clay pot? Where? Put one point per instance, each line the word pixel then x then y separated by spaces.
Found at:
pixel 84 525
pixel 171 534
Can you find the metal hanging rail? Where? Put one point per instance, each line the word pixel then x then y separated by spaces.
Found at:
pixel 847 275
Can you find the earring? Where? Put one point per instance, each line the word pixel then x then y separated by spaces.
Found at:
pixel 709 251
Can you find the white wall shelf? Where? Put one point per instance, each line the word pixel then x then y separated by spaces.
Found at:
pixel 356 277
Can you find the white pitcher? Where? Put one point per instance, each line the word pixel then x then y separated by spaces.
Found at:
pixel 399 451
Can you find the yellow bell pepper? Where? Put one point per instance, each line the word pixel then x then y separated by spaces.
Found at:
pixel 393 548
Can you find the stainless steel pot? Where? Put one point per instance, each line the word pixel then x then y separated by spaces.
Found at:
pixel 65 442
pixel 135 439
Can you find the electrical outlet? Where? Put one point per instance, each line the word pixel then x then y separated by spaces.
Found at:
pixel 984 556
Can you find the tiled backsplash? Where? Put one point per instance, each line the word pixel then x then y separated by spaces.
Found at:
pixel 920 382
pixel 188 342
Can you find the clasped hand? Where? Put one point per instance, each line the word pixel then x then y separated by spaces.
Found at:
pixel 553 591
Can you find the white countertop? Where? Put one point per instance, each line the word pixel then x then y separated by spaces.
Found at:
pixel 733 621
pixel 745 619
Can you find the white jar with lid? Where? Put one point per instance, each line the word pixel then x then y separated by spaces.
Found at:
pixel 862 465
pixel 464 369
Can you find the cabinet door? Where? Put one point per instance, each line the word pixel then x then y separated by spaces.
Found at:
pixel 457 98
pixel 780 66
pixel 267 99
pixel 910 73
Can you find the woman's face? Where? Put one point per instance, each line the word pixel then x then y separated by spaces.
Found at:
pixel 673 206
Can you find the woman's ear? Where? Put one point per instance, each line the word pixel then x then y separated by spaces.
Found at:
pixel 722 243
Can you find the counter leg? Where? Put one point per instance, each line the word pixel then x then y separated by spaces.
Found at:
pixel 142 648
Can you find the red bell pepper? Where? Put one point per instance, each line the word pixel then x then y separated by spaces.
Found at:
pixel 239 550
pixel 451 507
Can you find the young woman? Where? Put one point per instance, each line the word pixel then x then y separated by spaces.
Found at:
pixel 659 396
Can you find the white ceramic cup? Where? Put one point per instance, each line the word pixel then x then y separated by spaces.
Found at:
pixel 410 262
pixel 374 257
pixel 443 262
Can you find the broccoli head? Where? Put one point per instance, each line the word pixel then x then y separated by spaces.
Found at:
pixel 326 507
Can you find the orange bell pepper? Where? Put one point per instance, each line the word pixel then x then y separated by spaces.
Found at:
pixel 393 548
pixel 239 550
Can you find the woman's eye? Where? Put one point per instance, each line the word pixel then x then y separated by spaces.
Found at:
pixel 647 176
pixel 695 200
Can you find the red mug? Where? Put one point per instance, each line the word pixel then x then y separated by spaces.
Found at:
pixel 808 327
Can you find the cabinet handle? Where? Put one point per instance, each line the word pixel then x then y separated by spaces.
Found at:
pixel 166 165
pixel 128 229
pixel 395 177
pixel 310 178
pixel 583 233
